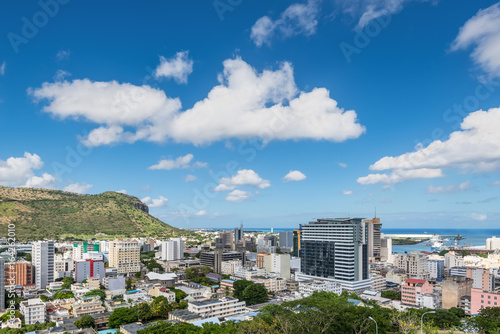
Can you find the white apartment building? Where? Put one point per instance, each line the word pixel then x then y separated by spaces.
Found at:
pixel 33 310
pixel 308 287
pixel 221 307
pixel 493 243
pixel 414 264
pixel 43 263
pixel 172 249
pixel 125 256
pixel 229 267
pixel 278 263
pixel 452 259
pixel 274 284
pixel 378 283
pixel 247 273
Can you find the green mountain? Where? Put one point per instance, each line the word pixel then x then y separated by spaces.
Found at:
pixel 42 213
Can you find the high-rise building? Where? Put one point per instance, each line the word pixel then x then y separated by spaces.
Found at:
pixel 374 246
pixel 125 256
pixel 385 249
pixel 227 240
pixel 19 273
pixel 172 249
pixel 85 269
pixel 77 252
pixel 286 239
pixel 278 263
pixel 493 243
pixel 336 250
pixel 43 262
pixel 296 243
pixel 436 269
pixel 238 233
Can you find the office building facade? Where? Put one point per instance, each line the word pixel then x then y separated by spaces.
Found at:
pixel 43 262
pixel 337 250
pixel 172 249
pixel 125 256
pixel 286 239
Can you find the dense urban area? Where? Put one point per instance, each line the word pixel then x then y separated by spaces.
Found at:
pixel 340 272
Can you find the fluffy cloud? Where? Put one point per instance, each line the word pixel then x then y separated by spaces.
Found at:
pixel 190 178
pixel 178 67
pixel 347 192
pixel 476 147
pixel 450 189
pixel 201 213
pixel 343 165
pixel 79 188
pixel 246 104
pixel 238 196
pixel 123 191
pixel 243 177
pixel 294 175
pixel 60 75
pixel 298 19
pixel 479 216
pixel 18 172
pixel 155 202
pixel 2 68
pixel 63 54
pixel 181 162
pixel 400 175
pixel 483 32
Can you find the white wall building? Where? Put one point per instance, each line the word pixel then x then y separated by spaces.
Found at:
pixel 493 243
pixel 172 249
pixel 43 262
pixel 278 263
pixel 308 287
pixel 217 307
pixel 229 267
pixel 33 310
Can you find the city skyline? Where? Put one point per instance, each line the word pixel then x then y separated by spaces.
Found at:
pixel 270 114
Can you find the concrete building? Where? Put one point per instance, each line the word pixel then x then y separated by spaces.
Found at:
pixel 63 267
pixel 412 288
pixel 227 239
pixel 429 300
pixel 248 272
pixel 172 249
pixel 221 307
pixel 33 310
pixel 229 267
pixel 77 252
pixel 374 244
pixel 212 258
pixel 278 263
pixel 286 239
pixel 308 287
pixel 458 271
pixel 158 290
pixel 296 243
pixel 493 243
pixel 115 284
pixel 88 305
pixel 378 283
pixel 85 269
pixel 385 249
pixel 451 259
pixel 397 278
pixel 336 250
pixel 481 299
pixel 19 273
pixel 414 264
pixel 482 279
pixel 274 284
pixel 43 262
pixel 436 269
pixel 238 234
pixel 125 256
pixel 453 289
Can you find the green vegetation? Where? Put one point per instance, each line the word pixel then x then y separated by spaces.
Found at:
pixel 408 241
pixel 67 281
pixel 85 322
pixel 63 295
pixel 98 292
pixel 27 328
pixel 42 213
pixel 252 293
pixel 391 295
pixel 122 316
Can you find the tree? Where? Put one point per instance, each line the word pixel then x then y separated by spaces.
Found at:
pixel 85 322
pixel 239 287
pixel 63 295
pixel 128 284
pixel 121 316
pixel 191 273
pixel 144 312
pixel 28 257
pixel 206 270
pixel 67 281
pixel 255 294
pixel 99 293
pixel 138 275
pixel 160 307
pixel 391 295
pixel 488 319
pixel 44 298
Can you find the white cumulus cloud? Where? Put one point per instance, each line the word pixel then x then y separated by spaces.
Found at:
pixel 190 178
pixel 155 202
pixel 79 188
pixel 297 19
pixel 343 165
pixel 242 177
pixel 482 32
pixel 294 175
pixel 347 192
pixel 246 104
pixel 181 162
pixel 450 189
pixel 238 196
pixel 475 147
pixel 178 67
pixel 20 172
pixel 201 213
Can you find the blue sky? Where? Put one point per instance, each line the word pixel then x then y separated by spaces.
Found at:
pixel 269 113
